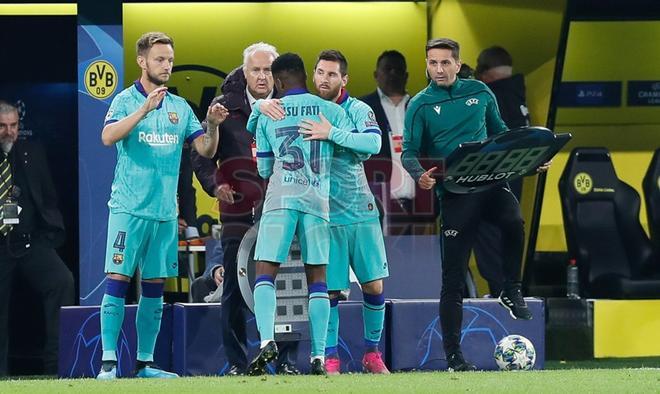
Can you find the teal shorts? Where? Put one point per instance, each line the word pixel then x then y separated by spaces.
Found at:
pixel 359 246
pixel 150 245
pixel 276 231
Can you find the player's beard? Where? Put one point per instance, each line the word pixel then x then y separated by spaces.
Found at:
pixel 156 80
pixel 329 94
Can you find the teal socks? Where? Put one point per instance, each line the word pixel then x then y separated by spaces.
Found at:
pixel 264 307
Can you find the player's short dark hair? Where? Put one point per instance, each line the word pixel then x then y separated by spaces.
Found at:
pixel 492 57
pixel 444 43
pixel 333 55
pixel 392 54
pixel 148 40
pixel 290 64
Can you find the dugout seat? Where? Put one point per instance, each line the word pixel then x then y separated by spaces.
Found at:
pixel 651 187
pixel 603 233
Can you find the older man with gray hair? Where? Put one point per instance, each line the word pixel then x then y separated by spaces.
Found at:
pixel 231 176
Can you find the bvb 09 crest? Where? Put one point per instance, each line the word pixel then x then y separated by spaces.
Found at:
pixel 583 183
pixel 100 79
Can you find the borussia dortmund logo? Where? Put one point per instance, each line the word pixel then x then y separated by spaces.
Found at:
pixel 583 183
pixel 101 79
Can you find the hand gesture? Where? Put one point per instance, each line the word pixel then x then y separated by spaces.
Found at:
pixel 272 108
pixel 153 99
pixel 182 225
pixel 426 181
pixel 215 115
pixel 225 193
pixel 219 275
pixel 315 130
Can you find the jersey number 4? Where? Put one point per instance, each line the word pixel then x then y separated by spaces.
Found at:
pixel 120 241
pixel 290 134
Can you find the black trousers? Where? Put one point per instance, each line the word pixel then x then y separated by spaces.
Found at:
pixel 462 215
pixel 44 272
pixel 234 311
pixel 488 253
pixel 488 249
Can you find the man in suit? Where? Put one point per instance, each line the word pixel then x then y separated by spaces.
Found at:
pixel 406 203
pixel 495 69
pixel 28 238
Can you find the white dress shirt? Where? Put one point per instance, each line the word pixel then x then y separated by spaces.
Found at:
pixel 253 100
pixel 401 184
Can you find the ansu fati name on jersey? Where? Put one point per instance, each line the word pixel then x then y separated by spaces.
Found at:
pixel 302 110
pixel 155 139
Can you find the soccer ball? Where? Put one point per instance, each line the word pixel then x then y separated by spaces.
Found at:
pixel 515 352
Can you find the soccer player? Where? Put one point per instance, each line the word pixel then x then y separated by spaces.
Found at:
pixel 148 126
pixel 296 203
pixel 356 239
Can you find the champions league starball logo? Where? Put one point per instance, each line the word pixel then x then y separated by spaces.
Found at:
pixel 20 106
pixel 22 112
pixel 85 352
pixel 476 322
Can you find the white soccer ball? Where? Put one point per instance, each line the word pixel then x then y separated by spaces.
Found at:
pixel 515 352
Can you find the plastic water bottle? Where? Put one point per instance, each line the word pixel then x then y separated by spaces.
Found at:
pixel 572 284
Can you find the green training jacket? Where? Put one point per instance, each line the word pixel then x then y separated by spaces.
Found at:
pixel 438 119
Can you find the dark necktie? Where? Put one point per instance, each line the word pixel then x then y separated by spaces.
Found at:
pixel 5 189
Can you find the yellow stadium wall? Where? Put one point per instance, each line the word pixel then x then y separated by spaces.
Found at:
pixel 626 328
pixel 38 9
pixel 530 31
pixel 606 51
pixel 215 34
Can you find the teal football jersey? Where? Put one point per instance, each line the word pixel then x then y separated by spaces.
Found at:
pixel 351 199
pixel 300 178
pixel 148 158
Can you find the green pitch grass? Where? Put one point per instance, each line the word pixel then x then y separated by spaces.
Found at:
pixel 644 380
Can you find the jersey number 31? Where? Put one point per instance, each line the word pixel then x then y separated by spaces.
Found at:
pixel 290 134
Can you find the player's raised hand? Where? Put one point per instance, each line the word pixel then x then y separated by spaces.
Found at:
pixel 272 108
pixel 544 167
pixel 312 130
pixel 426 181
pixel 216 114
pixel 153 99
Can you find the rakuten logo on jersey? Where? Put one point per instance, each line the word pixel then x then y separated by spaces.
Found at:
pixel 154 139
